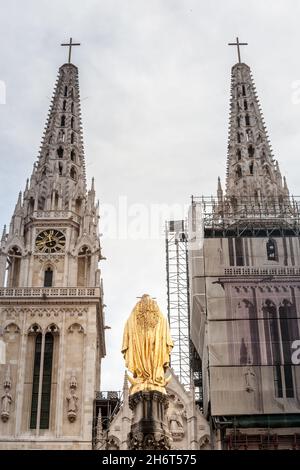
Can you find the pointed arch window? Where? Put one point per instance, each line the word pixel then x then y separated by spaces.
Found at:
pixel 66 91
pixel 84 266
pixel 72 107
pixel 72 93
pixel 73 155
pixel 60 152
pixel 61 136
pixel 31 205
pixel 238 121
pixel 48 277
pixel 64 107
pixel 272 251
pixel 63 121
pixel 72 138
pixel 245 105
pixel 251 151
pixel 280 331
pixel 239 138
pixel 42 371
pixel 56 199
pixel 78 205
pixel 72 123
pixel 35 381
pixel 41 203
pixel 14 266
pixel 243 90
pixel 239 154
pixel 251 168
pixel 60 169
pixel 247 120
pixel 239 251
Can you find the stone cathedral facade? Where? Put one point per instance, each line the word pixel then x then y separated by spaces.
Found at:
pixel 51 297
pixel 245 289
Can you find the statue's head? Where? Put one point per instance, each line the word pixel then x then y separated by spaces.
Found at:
pixel 147 311
pixel 145 297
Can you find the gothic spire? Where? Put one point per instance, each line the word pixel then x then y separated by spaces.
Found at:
pixel 252 173
pixel 60 168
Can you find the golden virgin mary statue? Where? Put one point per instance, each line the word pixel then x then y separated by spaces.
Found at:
pixel 147 346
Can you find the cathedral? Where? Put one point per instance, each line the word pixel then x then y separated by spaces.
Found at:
pixel 244 303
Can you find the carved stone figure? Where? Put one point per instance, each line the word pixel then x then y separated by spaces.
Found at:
pixel 6 399
pixel 250 379
pixel 176 425
pixel 72 400
pixel 175 417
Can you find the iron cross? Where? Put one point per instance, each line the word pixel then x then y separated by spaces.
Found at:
pixel 238 44
pixel 70 45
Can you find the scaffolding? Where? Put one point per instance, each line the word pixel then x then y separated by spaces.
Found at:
pixel 178 298
pixel 109 403
pixel 248 217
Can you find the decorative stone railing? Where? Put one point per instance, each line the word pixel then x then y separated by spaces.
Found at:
pixel 56 214
pixel 50 292
pixel 271 271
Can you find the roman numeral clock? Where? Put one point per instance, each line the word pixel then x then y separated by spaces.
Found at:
pixel 50 241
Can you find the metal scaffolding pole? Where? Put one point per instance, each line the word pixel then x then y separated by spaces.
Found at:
pixel 178 298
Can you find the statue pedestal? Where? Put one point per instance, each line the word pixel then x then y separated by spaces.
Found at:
pixel 149 428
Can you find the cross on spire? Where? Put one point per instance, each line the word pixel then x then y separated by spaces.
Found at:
pixel 238 44
pixel 70 45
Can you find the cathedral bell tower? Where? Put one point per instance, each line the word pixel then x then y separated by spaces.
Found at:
pixel 245 288
pixel 51 298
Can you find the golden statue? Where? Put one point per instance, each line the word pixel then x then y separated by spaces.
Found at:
pixel 147 346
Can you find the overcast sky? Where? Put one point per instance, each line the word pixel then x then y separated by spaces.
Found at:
pixel 155 83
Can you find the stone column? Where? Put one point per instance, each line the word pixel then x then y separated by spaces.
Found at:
pixel 149 428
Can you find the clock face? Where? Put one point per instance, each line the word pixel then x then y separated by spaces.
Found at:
pixel 50 241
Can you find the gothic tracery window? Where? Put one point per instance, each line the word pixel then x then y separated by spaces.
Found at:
pixel 280 331
pixel 272 252
pixel 41 396
pixel 48 277
pixel 60 152
pixel 251 151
